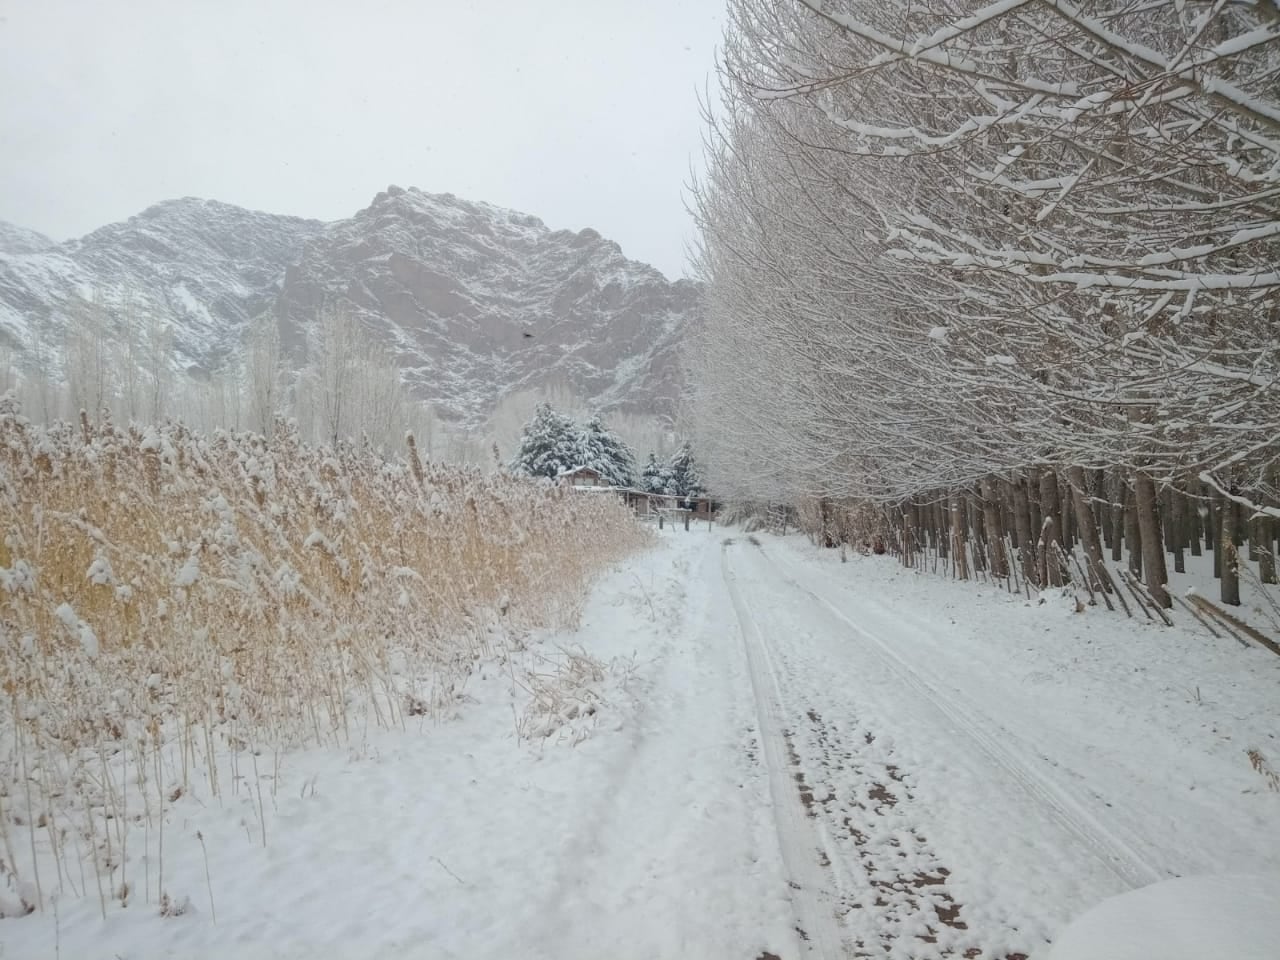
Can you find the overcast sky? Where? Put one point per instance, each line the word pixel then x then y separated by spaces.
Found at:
pixel 582 112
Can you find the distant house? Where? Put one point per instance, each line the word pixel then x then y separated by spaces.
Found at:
pixel 645 504
pixel 583 478
pixel 648 504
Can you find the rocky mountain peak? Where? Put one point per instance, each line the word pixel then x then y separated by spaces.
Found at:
pixel 473 300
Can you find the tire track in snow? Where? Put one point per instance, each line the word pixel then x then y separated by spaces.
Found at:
pixel 879 883
pixel 1113 852
pixel 895 899
pixel 811 897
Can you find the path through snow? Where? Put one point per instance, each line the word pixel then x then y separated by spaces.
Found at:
pixel 794 758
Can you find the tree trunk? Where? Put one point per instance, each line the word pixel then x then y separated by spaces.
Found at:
pixel 1178 524
pixel 1227 552
pixel 1172 531
pixel 1049 503
pixel 994 528
pixel 1086 526
pixel 1023 528
pixel 957 536
pixel 1050 569
pixel 1132 532
pixel 940 525
pixel 1032 490
pixel 1103 513
pixel 1066 529
pixel 1115 496
pixel 1266 551
pixel 1213 531
pixel 979 532
pixel 1267 539
pixel 1147 503
pixel 1195 516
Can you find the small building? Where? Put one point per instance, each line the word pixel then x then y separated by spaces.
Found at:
pixel 644 503
pixel 579 477
pixel 648 504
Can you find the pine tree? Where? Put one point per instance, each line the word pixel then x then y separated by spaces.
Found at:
pixel 605 453
pixel 549 445
pixel 655 477
pixel 684 478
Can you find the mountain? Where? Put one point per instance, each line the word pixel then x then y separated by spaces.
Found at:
pixel 16 239
pixel 477 301
pixel 206 268
pixel 474 301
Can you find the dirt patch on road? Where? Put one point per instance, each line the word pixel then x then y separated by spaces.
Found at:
pixel 888 876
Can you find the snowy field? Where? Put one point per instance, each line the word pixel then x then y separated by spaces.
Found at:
pixel 781 755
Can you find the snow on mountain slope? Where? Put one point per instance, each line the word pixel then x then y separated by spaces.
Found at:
pixel 204 267
pixel 16 239
pixel 474 301
pixel 477 301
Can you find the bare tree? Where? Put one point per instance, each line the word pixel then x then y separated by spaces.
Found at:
pixel 263 374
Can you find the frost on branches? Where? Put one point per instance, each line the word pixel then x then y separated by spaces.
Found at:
pixel 683 479
pixel 656 476
pixel 955 249
pixel 552 444
pixel 679 478
pixel 548 446
pixel 607 454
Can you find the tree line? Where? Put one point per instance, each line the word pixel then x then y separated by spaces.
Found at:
pixel 115 359
pixel 1006 270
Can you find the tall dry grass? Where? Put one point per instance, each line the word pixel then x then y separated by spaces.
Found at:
pixel 179 609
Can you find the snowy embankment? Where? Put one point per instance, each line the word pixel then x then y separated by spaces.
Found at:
pixel 751 751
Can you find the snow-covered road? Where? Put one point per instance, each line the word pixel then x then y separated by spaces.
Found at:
pixel 793 757
pixel 883 757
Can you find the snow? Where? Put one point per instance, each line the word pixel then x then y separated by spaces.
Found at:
pixel 742 747
pixel 1190 918
pixel 649 837
pixel 189 573
pixel 79 629
pixel 192 306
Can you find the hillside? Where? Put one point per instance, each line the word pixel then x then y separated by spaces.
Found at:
pixel 474 301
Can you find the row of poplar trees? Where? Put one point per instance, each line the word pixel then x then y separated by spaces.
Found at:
pixel 1009 270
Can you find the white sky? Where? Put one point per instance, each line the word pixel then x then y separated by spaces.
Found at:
pixel 582 112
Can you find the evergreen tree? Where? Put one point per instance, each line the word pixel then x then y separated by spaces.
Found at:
pixel 549 445
pixel 655 477
pixel 605 453
pixel 684 478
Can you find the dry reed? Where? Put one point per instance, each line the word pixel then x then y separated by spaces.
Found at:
pixel 176 606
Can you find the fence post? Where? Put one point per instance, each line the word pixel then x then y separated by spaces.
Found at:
pixel 686 520
pixel 660 518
